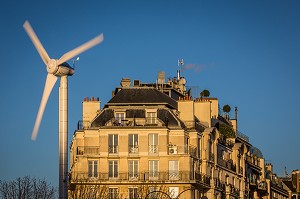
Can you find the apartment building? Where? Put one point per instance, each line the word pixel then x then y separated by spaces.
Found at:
pixel 153 140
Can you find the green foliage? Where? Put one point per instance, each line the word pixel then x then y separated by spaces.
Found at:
pixel 226 108
pixel 205 93
pixel 226 130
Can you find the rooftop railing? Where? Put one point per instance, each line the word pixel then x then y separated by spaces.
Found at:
pixel 242 136
pixel 227 164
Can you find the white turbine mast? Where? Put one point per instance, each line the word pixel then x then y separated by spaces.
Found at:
pixel 58 68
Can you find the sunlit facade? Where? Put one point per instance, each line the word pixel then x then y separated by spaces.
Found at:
pixel 156 141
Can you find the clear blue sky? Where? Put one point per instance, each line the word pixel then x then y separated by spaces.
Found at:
pixel 247 53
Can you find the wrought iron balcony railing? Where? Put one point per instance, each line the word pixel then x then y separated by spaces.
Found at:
pixel 133 149
pixel 253 160
pixel 112 149
pixel 88 150
pixel 226 163
pixel 153 149
pixel 154 176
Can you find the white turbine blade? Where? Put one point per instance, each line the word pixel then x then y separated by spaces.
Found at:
pixel 50 82
pixel 35 40
pixel 69 55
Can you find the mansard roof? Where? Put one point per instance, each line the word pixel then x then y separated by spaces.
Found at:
pixel 142 96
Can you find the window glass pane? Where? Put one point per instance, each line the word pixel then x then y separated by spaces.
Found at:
pixel 153 168
pixel 92 168
pixel 153 139
pixel 113 143
pixel 173 192
pixel 133 168
pixel 113 169
pixel 133 194
pixel 173 170
pixel 133 139
pixel 113 193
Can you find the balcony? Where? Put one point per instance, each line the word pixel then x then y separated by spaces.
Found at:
pixel 174 176
pixel 133 149
pixel 228 164
pixel 226 142
pixel 113 149
pixel 253 160
pixel 182 150
pixel 234 191
pixel 194 125
pixel 153 149
pixel 81 125
pixel 219 184
pixel 242 136
pixel 136 122
pixel 88 150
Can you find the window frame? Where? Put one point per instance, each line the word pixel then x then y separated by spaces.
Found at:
pixel 113 169
pixel 92 168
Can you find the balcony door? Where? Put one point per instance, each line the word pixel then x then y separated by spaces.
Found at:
pixel 173 170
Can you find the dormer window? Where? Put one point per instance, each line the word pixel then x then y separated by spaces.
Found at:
pixel 151 116
pixel 120 118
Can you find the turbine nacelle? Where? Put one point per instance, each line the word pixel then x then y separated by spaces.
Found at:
pixel 64 70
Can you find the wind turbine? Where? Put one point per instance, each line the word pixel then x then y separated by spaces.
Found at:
pixel 58 68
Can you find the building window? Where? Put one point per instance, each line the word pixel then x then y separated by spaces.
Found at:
pixel 113 143
pixel 153 192
pixel 133 143
pixel 133 169
pixel 133 193
pixel 173 191
pixel 120 118
pixel 113 193
pixel 151 117
pixel 153 169
pixel 113 169
pixel 93 168
pixel 173 170
pixel 153 143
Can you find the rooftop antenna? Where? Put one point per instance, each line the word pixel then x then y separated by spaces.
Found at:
pixel 74 61
pixel 285 172
pixel 180 64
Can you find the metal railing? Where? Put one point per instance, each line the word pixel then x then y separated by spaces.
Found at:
pixel 253 160
pixel 112 149
pixel 226 163
pixel 232 189
pixel 133 149
pixel 172 176
pixel 219 184
pixel 195 125
pixel 83 124
pixel 242 136
pixel 88 150
pixel 127 122
pixel 153 149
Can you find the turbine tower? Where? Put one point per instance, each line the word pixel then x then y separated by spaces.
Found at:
pixel 58 68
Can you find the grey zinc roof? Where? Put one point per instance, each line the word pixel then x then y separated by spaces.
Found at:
pixel 141 96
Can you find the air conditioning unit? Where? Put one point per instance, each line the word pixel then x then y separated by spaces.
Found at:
pixel 173 150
